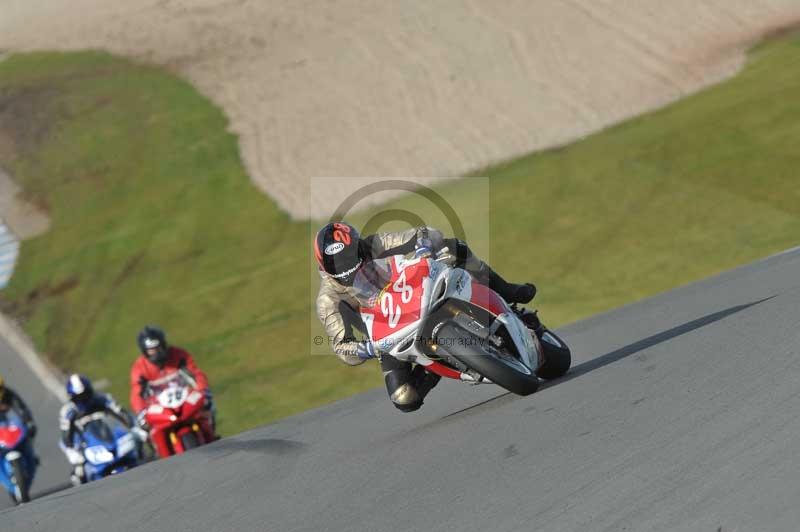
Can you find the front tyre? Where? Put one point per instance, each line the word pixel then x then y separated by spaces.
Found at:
pixel 495 364
pixel 189 441
pixel 557 357
pixel 21 490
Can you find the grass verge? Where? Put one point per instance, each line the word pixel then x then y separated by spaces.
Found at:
pixel 154 220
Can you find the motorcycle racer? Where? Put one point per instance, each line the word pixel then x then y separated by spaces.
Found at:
pixel 83 400
pixel 341 252
pixel 10 399
pixel 158 361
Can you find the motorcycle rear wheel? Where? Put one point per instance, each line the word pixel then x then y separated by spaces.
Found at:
pixel 499 367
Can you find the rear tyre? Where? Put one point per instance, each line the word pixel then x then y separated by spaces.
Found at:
pixel 21 481
pixel 496 365
pixel 557 357
pixel 189 441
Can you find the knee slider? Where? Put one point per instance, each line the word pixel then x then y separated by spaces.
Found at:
pixel 406 398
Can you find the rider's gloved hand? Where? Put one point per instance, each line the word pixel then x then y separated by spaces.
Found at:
pixel 140 434
pixel 366 350
pixel 423 248
pixel 74 456
pixel 140 420
pixel 32 430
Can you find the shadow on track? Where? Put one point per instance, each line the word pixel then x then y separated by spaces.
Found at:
pixel 619 354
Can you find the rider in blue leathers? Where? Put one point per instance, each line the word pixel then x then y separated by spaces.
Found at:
pixel 84 401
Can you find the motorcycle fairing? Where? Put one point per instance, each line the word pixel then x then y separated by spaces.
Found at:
pixel 441 283
pixel 399 305
pixel 107 445
pixel 175 411
pixel 10 435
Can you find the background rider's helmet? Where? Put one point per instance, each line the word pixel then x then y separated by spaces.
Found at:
pixel 79 390
pixel 153 344
pixel 339 251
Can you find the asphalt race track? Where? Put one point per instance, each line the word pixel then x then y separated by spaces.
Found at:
pixel 53 473
pixel 682 412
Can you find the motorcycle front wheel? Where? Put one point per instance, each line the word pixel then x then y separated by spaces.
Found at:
pixel 190 441
pixel 22 491
pixel 557 356
pixel 497 365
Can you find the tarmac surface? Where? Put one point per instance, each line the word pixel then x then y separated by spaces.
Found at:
pixel 680 413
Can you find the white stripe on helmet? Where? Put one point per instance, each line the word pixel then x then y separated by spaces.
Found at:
pixel 77 385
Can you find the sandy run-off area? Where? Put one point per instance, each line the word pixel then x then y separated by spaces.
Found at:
pixel 409 88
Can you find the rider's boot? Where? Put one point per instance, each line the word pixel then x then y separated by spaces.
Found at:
pixel 531 320
pixel 511 292
pixel 214 424
pixel 211 416
pixel 208 428
pixel 77 477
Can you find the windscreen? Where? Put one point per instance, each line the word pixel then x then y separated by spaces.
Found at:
pixel 370 281
pixel 99 429
pixel 9 416
pixel 173 381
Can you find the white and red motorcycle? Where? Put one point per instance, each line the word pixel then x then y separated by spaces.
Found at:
pixel 423 311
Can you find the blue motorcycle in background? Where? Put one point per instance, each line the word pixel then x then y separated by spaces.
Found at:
pixel 18 459
pixel 108 446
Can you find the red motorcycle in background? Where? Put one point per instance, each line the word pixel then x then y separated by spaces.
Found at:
pixel 175 413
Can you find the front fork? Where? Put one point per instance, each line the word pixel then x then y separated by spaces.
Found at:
pixel 175 436
pixel 16 465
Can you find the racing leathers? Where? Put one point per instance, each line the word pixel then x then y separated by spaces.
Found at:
pixel 71 412
pixel 338 309
pixel 145 373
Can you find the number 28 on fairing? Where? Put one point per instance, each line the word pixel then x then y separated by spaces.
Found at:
pixel 398 305
pixel 406 292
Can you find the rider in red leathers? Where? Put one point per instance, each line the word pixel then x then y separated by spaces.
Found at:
pixel 158 361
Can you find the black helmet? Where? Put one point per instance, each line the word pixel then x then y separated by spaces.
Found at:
pixel 153 344
pixel 339 251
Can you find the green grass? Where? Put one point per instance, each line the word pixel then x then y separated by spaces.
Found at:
pixel 154 220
